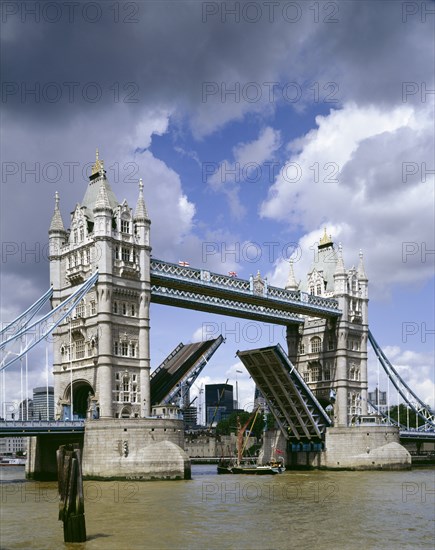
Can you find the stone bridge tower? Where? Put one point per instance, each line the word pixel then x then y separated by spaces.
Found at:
pixel 104 347
pixel 332 355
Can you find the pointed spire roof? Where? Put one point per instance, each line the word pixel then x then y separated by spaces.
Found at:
pixel 291 281
pixel 324 264
pixel 102 202
pixel 96 179
pixel 361 271
pixel 340 269
pixel 56 221
pixel 141 210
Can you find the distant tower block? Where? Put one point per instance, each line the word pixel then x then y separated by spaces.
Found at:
pixel 332 355
pixel 105 344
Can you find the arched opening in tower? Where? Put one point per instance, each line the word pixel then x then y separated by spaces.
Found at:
pixel 84 404
pixel 126 412
pixel 81 399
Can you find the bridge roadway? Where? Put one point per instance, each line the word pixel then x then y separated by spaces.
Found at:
pixel 417 435
pixel 182 366
pixel 299 415
pixel 15 428
pixel 202 290
pixel 28 428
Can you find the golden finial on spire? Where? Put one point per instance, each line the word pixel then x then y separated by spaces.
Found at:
pixel 325 240
pixel 56 199
pixel 140 184
pixel 98 163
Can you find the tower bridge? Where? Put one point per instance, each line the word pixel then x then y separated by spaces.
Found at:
pixel 103 280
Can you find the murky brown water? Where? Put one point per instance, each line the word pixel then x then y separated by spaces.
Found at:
pixel 328 510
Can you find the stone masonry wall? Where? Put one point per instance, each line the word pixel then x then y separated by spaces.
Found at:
pixel 135 449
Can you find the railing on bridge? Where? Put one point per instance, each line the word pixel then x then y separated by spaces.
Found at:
pixel 187 280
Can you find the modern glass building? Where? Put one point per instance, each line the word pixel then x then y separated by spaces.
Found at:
pixel 219 402
pixel 43 405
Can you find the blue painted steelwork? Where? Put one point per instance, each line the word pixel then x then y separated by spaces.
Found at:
pixel 417 435
pixel 180 368
pixel 45 326
pixel 423 433
pixel 203 290
pixel 299 415
pixel 24 319
pixel 223 306
pixel 186 381
pixel 18 428
pixel 417 405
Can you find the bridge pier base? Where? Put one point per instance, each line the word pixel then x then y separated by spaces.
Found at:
pixel 347 448
pixel 136 448
pixel 365 447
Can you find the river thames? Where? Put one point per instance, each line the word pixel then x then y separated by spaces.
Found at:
pixel 303 509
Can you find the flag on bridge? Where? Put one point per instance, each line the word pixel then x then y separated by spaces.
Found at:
pixel 183 264
pixel 232 273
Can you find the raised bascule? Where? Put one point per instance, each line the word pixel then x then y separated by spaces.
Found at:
pixel 103 280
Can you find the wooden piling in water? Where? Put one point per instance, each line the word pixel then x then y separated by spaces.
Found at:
pixel 71 499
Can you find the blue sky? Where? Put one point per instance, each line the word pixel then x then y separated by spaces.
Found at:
pixel 342 139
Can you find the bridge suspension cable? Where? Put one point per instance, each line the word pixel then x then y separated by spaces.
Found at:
pixel 44 326
pixel 24 318
pixel 417 405
pixel 385 416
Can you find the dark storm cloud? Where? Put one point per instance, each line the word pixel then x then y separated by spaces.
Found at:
pixel 161 61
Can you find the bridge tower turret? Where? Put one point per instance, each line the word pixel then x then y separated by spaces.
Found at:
pixel 142 230
pixel 293 333
pixel 103 255
pixel 363 300
pixel 57 237
pixel 341 370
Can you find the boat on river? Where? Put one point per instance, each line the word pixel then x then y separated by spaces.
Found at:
pixel 272 468
pixel 13 462
pixel 236 466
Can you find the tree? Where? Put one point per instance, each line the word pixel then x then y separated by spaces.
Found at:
pixel 400 414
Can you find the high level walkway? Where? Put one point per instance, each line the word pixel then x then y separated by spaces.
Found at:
pixel 203 290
